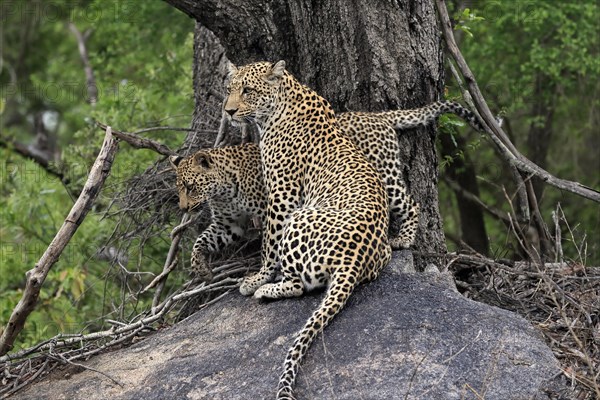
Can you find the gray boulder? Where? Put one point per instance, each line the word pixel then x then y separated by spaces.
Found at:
pixel 404 336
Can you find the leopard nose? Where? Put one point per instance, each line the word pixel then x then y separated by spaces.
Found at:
pixel 231 111
pixel 183 205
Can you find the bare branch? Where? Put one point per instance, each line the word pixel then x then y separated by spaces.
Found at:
pixel 522 198
pixel 124 331
pixel 90 79
pixel 32 154
pixel 496 213
pixel 61 358
pixel 139 142
pixel 170 264
pixel 36 276
pixel 163 128
pixel 495 131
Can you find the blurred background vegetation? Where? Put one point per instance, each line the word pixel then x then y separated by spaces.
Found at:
pixel 141 55
pixel 536 61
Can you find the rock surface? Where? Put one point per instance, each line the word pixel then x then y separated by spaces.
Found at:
pixel 404 336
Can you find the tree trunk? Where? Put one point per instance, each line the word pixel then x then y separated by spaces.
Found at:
pixel 462 171
pixel 540 130
pixel 209 72
pixel 358 54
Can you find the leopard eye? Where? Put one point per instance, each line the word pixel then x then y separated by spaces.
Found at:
pixel 246 90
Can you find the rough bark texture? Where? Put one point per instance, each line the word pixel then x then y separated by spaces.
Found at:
pixel 360 55
pixel 209 72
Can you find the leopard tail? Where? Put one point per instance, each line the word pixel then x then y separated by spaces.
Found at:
pixel 405 119
pixel 335 298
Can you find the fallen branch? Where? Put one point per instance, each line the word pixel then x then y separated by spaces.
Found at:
pixel 120 334
pixel 36 276
pixel 560 299
pixel 21 383
pixel 63 360
pixel 170 263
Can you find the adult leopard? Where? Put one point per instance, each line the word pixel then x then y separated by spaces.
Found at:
pixel 327 210
pixel 230 180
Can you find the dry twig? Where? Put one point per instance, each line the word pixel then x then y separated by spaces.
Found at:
pixel 36 276
pixel 139 142
pixel 560 299
pixel 68 348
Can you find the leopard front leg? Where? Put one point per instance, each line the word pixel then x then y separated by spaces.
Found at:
pixel 253 283
pixel 268 268
pixel 217 236
pixel 290 286
pixel 199 268
pixel 278 211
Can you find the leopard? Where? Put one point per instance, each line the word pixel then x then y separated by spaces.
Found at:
pixel 229 179
pixel 327 209
pixel 313 174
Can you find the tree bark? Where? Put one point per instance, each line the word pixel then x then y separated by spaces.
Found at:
pixel 209 72
pixel 358 54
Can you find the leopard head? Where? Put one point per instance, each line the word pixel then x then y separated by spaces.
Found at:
pixel 252 91
pixel 198 179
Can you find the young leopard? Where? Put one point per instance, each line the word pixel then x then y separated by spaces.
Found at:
pixel 327 210
pixel 230 179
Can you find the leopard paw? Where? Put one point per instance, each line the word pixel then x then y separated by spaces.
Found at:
pixel 200 268
pixel 400 242
pixel 249 286
pixel 264 292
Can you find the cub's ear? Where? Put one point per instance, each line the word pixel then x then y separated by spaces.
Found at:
pixel 231 70
pixel 202 160
pixel 175 160
pixel 276 72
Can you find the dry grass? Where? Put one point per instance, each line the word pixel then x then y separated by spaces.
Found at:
pixel 561 299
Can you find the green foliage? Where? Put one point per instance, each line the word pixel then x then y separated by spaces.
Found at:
pixel 466 17
pixel 141 54
pixel 531 57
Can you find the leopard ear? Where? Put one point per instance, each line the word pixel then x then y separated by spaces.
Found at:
pixel 276 71
pixel 175 160
pixel 231 70
pixel 202 160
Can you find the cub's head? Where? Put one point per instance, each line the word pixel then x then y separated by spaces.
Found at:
pixel 252 90
pixel 199 179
